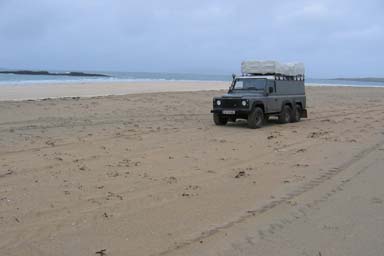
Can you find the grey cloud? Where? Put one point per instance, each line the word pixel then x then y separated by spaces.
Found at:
pixel 192 36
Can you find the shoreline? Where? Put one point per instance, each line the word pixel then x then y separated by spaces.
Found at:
pixel 150 80
pixel 343 85
pixel 38 91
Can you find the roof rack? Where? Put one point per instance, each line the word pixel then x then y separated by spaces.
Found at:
pixel 278 76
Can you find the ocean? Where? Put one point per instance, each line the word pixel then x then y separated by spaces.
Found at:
pixel 12 79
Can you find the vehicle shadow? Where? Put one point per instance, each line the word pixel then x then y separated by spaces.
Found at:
pixel 243 123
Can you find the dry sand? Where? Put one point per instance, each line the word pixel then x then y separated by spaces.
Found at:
pixel 150 174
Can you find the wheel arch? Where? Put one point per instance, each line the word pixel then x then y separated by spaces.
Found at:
pixel 289 103
pixel 299 103
pixel 258 104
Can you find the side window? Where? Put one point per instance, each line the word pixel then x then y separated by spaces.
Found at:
pixel 271 87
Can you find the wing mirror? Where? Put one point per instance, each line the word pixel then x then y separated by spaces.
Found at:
pixel 270 89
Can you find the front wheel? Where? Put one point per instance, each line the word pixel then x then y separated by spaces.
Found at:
pixel 219 119
pixel 256 118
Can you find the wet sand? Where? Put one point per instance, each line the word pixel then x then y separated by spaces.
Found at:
pixel 150 174
pixel 93 89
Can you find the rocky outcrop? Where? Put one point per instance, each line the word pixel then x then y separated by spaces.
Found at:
pixel 46 73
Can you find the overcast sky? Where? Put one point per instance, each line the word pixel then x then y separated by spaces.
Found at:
pixel 333 38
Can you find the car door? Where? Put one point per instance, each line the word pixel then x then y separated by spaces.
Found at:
pixel 273 99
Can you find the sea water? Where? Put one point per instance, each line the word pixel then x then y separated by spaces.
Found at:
pixel 12 79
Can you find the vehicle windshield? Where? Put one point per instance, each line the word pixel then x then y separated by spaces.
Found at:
pixel 250 84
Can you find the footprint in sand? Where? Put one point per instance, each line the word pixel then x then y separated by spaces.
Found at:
pixel 301 165
pixel 112 174
pixel 171 180
pixel 241 174
pixel 376 200
pixel 50 143
pixel 190 191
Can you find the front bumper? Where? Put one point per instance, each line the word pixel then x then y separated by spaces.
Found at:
pixel 237 111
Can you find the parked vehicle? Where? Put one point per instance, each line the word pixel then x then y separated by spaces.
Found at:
pixel 265 88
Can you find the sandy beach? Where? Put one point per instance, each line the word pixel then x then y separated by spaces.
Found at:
pixel 150 174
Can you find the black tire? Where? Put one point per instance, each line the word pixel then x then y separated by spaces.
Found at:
pixel 256 118
pixel 296 114
pixel 285 115
pixel 219 119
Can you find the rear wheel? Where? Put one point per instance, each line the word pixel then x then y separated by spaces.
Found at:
pixel 296 115
pixel 219 119
pixel 285 115
pixel 256 118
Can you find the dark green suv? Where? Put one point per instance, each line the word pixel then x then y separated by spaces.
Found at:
pixel 257 97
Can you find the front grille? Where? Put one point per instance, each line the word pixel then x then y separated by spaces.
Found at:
pixel 231 103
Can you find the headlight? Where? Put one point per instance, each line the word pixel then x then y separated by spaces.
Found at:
pixel 244 103
pixel 218 102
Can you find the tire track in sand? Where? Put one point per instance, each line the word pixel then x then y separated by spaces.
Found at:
pixel 312 184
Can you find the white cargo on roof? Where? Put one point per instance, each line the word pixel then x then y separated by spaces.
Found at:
pixel 272 67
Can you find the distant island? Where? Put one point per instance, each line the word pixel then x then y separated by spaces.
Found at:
pixel 46 73
pixel 363 79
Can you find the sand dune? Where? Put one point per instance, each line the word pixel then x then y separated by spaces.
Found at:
pixel 149 174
